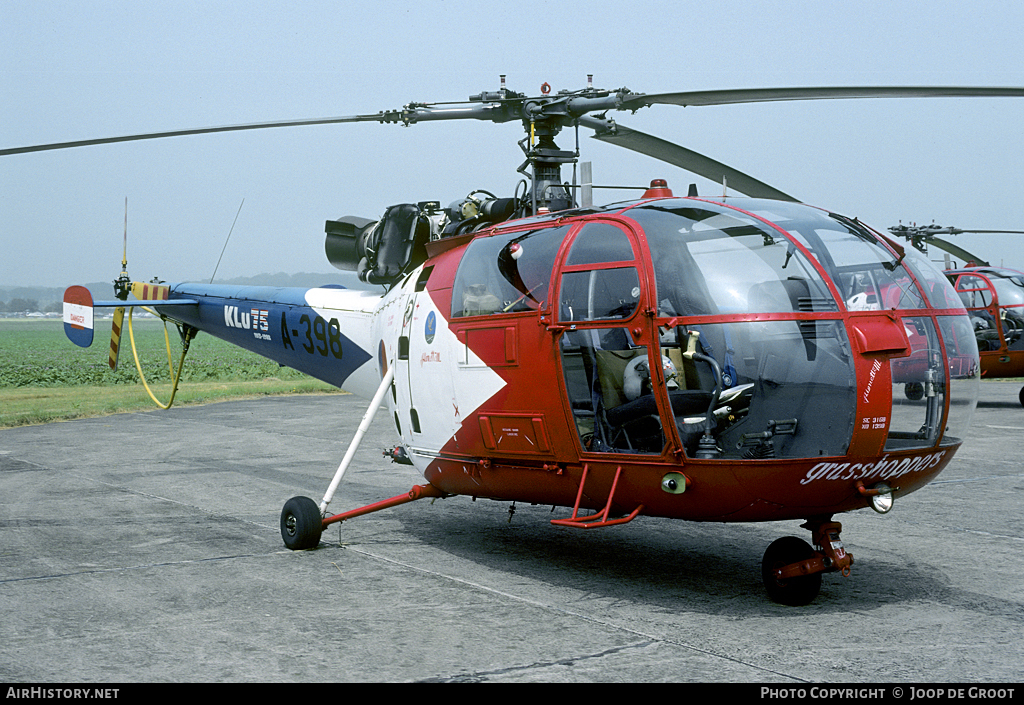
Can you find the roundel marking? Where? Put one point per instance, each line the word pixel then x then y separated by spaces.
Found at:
pixel 430 328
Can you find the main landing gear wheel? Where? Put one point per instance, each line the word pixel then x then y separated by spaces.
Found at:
pixel 301 523
pixel 914 391
pixel 797 591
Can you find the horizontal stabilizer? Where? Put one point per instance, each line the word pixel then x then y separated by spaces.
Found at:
pixel 78 311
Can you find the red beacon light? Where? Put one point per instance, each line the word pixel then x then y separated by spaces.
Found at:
pixel 658 189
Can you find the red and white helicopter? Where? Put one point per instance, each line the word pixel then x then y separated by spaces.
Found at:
pixel 993 296
pixel 710 359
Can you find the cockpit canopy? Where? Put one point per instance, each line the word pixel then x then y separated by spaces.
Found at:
pixel 709 259
pixel 759 291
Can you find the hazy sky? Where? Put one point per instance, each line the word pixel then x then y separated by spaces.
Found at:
pixel 78 70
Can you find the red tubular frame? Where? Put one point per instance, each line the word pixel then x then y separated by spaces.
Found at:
pixel 417 492
pixel 599 519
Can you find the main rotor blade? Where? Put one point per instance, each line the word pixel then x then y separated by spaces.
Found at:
pixel 767 95
pixel 957 231
pixel 379 117
pixel 614 133
pixel 504 111
pixel 952 249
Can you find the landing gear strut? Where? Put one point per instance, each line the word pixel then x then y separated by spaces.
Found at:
pixel 791 568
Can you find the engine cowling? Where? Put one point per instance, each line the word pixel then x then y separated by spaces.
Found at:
pixel 379 250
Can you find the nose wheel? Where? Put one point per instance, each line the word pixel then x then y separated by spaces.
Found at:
pixel 791 568
pixel 797 589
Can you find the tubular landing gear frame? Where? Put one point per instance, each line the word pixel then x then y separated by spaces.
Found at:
pixel 303 520
pixel 302 523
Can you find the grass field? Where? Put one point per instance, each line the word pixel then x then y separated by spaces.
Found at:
pixel 44 377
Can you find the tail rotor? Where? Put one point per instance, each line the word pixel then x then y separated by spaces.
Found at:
pixel 122 287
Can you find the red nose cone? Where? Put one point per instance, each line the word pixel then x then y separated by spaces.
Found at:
pixel 658 189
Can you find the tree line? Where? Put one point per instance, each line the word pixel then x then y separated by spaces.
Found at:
pixel 20 305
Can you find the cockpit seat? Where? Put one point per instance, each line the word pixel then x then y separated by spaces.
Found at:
pixel 780 296
pixel 685 402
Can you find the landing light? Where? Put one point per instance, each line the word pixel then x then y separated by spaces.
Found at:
pixel 879 496
pixel 882 502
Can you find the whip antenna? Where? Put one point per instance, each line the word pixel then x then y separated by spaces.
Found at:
pixel 226 240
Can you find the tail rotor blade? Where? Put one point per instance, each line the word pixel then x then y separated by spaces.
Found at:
pixel 115 336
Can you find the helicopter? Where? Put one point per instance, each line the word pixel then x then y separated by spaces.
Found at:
pixel 713 359
pixel 993 296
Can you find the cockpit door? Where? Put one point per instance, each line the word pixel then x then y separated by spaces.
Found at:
pixel 982 303
pixel 612 380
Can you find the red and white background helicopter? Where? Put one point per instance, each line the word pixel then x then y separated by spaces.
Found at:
pixel 699 357
pixel 993 296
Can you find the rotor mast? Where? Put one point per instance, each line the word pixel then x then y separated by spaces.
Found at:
pixel 542 117
pixel 547 192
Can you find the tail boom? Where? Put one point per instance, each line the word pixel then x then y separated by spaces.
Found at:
pixel 325 333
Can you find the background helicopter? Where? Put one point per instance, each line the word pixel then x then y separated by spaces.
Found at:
pixel 707 359
pixel 994 297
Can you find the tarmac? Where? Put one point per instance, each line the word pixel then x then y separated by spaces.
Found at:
pixel 145 548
